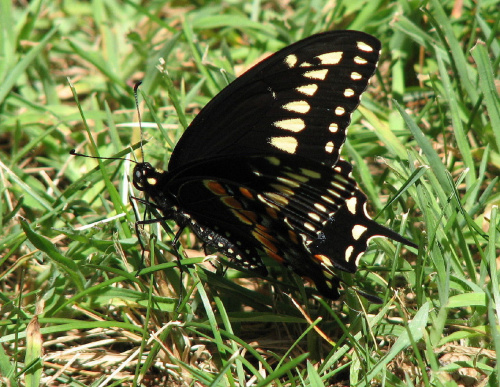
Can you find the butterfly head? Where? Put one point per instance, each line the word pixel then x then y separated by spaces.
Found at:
pixel 145 177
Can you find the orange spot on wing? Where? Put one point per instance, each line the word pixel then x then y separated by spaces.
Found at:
pixel 293 237
pixel 215 187
pixel 262 227
pixel 272 212
pixel 247 217
pixel 276 257
pixel 232 202
pixel 265 240
pixel 246 193
pixel 323 259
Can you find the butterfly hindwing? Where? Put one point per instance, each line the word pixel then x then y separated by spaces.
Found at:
pixel 246 207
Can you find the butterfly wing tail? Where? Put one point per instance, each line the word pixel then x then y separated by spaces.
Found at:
pixel 346 236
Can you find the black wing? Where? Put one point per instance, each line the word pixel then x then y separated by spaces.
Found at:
pixel 297 211
pixel 297 101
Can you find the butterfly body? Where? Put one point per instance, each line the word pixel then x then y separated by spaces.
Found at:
pixel 258 170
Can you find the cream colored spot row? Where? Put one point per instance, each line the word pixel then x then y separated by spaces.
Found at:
pixel 351 205
pixel 357 231
pixel 286 144
pixel 360 61
pixel 339 111
pixel 283 189
pixel 310 173
pixel 268 202
pixel 316 74
pixel 301 178
pixel 274 161
pixel 277 198
pixel 309 90
pixel 349 93
pixel 333 127
pixel 333 193
pixel 320 207
pixel 288 182
pixel 314 216
pixel 364 47
pixel 356 76
pixel 337 186
pixel 291 60
pixel 309 226
pixel 301 107
pixel 348 253
pixel 327 199
pixel 291 124
pixel 330 58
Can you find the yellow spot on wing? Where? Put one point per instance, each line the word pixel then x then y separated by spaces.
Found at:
pixel 314 216
pixel 310 173
pixel 348 253
pixel 286 144
pixel 349 93
pixel 273 160
pixel 323 259
pixel 288 182
pixel 316 74
pixel 356 76
pixel 364 47
pixel 309 226
pixel 333 193
pixel 276 198
pixel 283 189
pixel 351 205
pixel 308 89
pixel 291 124
pixel 327 199
pixel 301 107
pixel 360 61
pixel 339 110
pixel 301 178
pixel 291 60
pixel 357 231
pixel 320 207
pixel 330 58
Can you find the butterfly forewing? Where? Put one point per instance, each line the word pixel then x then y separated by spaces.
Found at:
pixel 298 101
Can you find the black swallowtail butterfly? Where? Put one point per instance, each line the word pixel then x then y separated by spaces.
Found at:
pixel 258 170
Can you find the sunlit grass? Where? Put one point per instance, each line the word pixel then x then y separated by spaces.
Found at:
pixel 426 140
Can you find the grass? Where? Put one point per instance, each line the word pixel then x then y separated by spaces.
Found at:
pixel 426 149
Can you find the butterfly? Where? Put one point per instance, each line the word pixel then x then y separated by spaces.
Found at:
pixel 258 171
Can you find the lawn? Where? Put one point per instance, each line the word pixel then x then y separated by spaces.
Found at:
pixel 83 303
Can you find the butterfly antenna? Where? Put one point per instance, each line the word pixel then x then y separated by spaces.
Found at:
pixel 136 88
pixel 75 153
